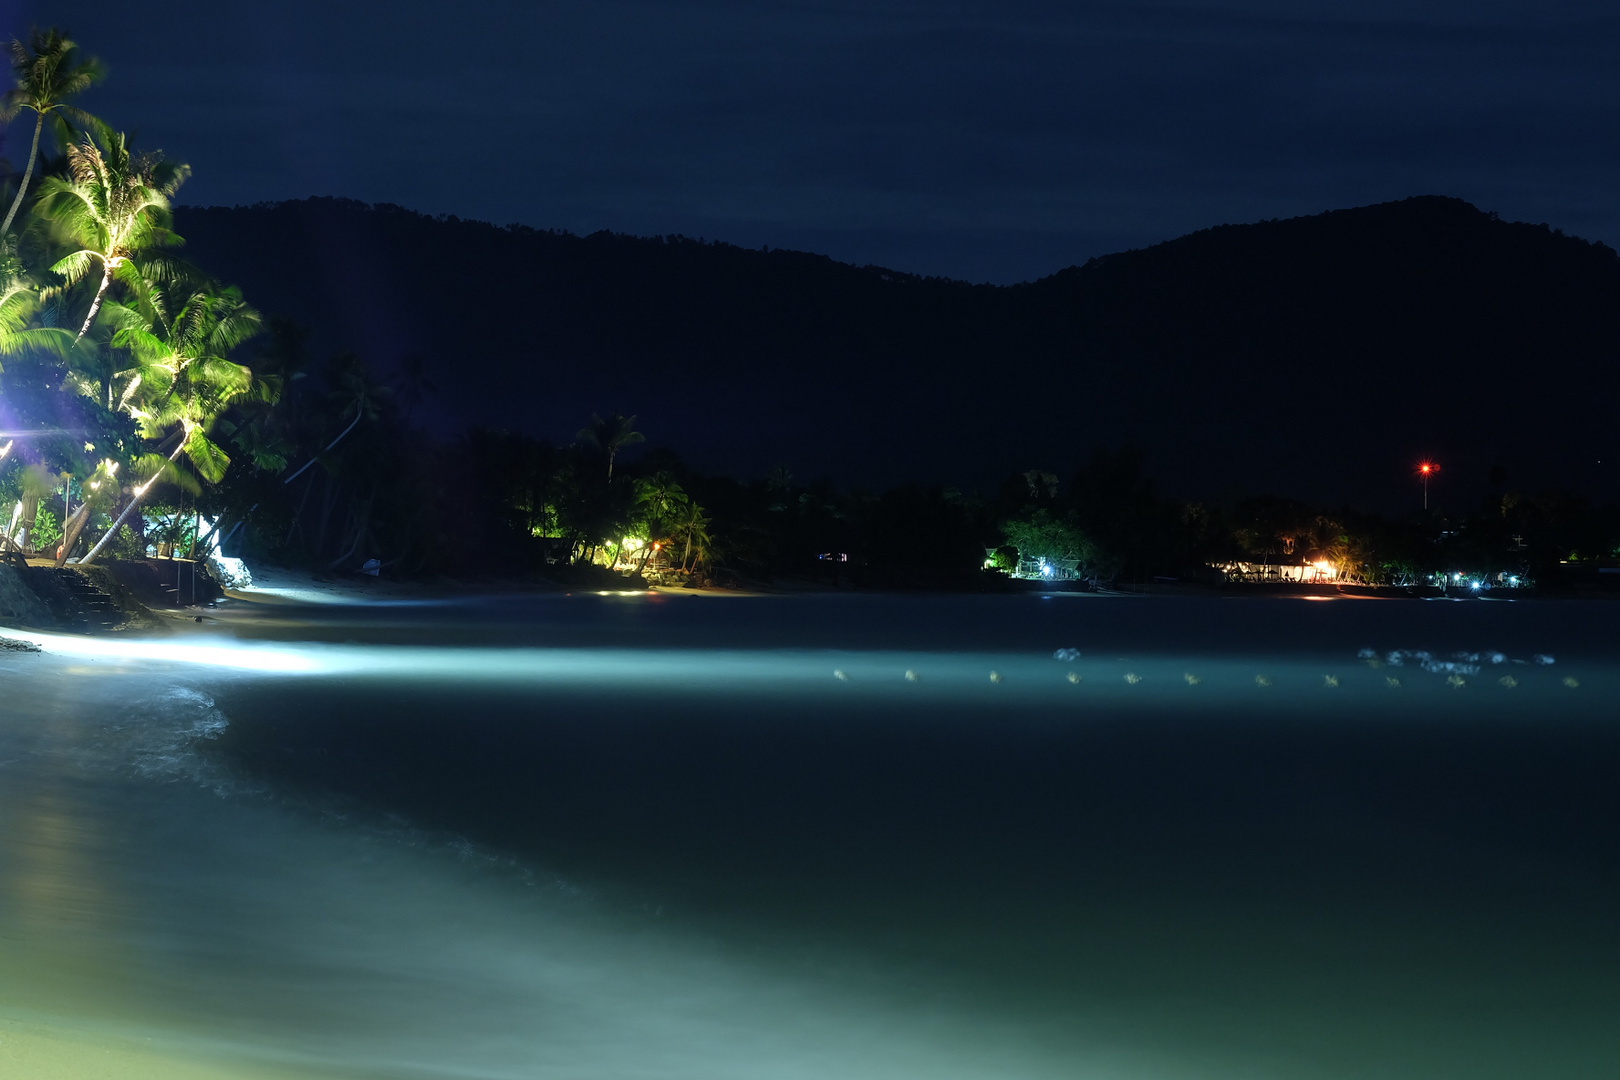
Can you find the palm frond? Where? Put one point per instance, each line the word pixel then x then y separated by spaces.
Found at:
pixel 115 317
pixel 208 456
pixel 71 268
pixel 52 340
pixel 141 342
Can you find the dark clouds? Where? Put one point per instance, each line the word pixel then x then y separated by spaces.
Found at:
pixel 991 140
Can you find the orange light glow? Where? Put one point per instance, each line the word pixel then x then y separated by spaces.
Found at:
pixel 1425 470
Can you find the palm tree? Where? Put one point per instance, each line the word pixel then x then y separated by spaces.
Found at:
pixel 18 304
pixel 358 467
pixel 101 484
pixel 49 71
pixel 692 527
pixel 659 497
pixel 661 504
pixel 354 386
pixel 113 206
pixel 611 435
pixel 181 382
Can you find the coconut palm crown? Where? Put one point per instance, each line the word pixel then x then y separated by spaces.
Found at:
pixel 179 384
pixel 182 376
pixel 49 71
pixel 610 436
pixel 112 207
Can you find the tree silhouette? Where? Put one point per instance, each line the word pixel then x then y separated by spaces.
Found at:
pixel 49 71
pixel 611 435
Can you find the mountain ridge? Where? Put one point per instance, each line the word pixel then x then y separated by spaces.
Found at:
pixel 1363 337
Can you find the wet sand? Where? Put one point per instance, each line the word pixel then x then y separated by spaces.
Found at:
pixel 36 1051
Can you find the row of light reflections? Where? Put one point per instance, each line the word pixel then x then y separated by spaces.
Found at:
pixel 1388 670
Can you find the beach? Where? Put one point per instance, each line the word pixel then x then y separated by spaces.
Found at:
pixel 46 1052
pixel 409 834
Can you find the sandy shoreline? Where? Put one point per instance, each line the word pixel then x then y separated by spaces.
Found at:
pixel 276 585
pixel 32 1050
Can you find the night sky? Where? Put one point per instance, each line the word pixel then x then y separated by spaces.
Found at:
pixel 988 140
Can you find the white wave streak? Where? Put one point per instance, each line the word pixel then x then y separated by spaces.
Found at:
pixel 163 737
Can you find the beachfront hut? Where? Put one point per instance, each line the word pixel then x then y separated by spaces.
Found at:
pixel 1277 568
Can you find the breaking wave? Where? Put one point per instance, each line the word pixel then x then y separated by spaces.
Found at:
pixel 164 738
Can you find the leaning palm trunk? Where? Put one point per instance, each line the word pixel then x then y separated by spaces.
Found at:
pixel 71 531
pixel 22 189
pixel 95 307
pixel 135 499
pixel 357 415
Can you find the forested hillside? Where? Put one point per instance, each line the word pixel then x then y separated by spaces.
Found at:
pixel 1315 357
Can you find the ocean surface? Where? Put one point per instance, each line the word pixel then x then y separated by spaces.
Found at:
pixel 853 837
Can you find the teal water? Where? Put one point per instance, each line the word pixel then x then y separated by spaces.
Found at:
pixel 632 836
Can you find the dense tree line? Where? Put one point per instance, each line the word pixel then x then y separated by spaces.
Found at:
pixel 1107 520
pixel 1111 518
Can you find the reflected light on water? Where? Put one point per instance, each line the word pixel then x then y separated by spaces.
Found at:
pixel 267 659
pixel 426 663
pixel 890 675
pixel 293 594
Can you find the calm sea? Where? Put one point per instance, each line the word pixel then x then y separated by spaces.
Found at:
pixel 639 836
